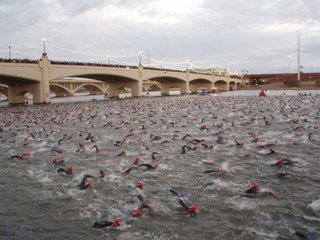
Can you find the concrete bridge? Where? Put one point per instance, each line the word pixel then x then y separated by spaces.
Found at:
pixel 37 77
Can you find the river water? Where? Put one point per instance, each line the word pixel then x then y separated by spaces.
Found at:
pixel 37 202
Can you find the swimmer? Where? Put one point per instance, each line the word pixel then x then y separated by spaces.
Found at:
pixel 240 144
pixel 283 162
pixel 90 137
pixel 267 145
pixel 175 192
pixel 309 137
pixel 144 203
pixel 122 153
pixel 219 170
pixel 164 142
pixel 282 175
pixel 119 143
pixel 61 140
pixel 197 141
pixel 186 136
pixel 68 171
pixel 271 152
pixel 96 147
pixel 107 223
pixel 184 147
pixel 81 147
pixel 149 166
pixel 127 172
pixel 153 155
pixel 136 160
pixel 56 162
pixel 192 210
pixel 17 156
pixel 84 184
pixel 21 156
pixel 303 236
pixel 220 139
pixel 154 138
pixel 256 190
pixel 211 146
pixel 57 149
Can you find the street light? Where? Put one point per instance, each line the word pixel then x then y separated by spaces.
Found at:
pixel 44 46
pixel 140 52
pixel 9 52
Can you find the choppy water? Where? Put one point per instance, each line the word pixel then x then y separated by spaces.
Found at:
pixel 39 203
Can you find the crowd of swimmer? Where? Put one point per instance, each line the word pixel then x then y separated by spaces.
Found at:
pixel 147 135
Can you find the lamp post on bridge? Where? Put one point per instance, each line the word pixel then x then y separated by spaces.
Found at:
pixel 9 52
pixel 140 53
pixel 44 46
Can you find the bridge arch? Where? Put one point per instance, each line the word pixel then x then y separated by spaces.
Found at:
pixel 232 85
pixel 200 83
pixel 92 88
pixel 167 83
pixel 221 85
pixel 60 90
pixel 154 87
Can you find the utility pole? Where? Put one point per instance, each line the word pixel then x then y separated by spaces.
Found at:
pixel 299 57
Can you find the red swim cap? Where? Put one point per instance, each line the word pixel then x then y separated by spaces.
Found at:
pixel 116 223
pixel 203 127
pixel 136 213
pixel 280 162
pixel 87 185
pixel 139 185
pixel 254 187
pixel 136 160
pixel 70 170
pixel 193 209
pixel 54 161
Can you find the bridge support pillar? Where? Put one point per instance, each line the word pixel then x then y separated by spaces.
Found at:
pixel 43 94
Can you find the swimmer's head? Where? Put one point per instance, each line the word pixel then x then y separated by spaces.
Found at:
pixel 254 187
pixel 54 161
pixel 136 160
pixel 70 170
pixel 116 223
pixel 139 185
pixel 87 185
pixel 193 209
pixel 136 213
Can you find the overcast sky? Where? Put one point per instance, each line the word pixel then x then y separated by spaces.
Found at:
pixel 253 35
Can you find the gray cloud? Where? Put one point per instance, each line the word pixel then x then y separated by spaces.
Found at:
pixel 245 34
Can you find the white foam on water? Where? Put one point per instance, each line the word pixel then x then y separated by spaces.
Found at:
pixel 315 206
